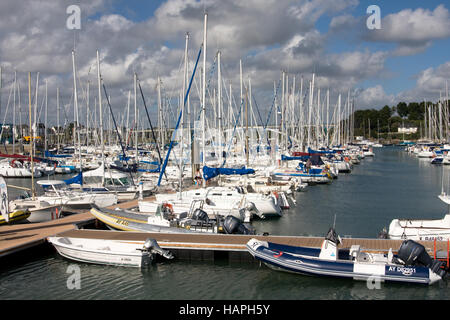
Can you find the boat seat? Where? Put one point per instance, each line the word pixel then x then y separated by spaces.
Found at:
pixel 390 256
pixel 354 251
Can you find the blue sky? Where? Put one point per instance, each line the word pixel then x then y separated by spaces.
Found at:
pixel 403 69
pixel 405 61
pixel 400 72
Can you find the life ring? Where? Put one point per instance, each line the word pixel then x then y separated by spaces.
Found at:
pixel 168 206
pixel 275 194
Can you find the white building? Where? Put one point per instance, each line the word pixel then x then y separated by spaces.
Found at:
pixel 407 130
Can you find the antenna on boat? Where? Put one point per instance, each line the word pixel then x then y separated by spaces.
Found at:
pixel 334 222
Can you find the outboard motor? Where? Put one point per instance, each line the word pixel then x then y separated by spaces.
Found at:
pixel 232 225
pixel 383 234
pixel 153 247
pixel 201 215
pixel 412 253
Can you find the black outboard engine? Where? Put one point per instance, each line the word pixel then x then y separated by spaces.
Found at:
pixel 232 225
pixel 201 215
pixel 412 253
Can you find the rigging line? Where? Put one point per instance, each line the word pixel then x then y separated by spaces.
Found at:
pixel 232 136
pixel 260 118
pixel 6 111
pixel 118 134
pixel 151 126
pixel 179 119
pixel 207 87
pixel 273 103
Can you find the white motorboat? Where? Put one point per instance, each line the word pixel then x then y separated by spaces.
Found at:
pixel 40 211
pixel 115 182
pixel 57 195
pixel 422 229
pixel 266 205
pixel 377 145
pixel 179 206
pixel 109 252
pixel 425 152
pixel 17 168
pixel 368 152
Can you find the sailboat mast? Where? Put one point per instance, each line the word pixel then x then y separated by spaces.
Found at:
pixel 246 128
pixel 328 106
pixel 14 115
pixel 135 120
pixel 75 100
pixel 46 114
pixel 31 136
pixel 102 141
pixel 57 119
pixel 185 80
pixel 35 115
pixel 161 139
pixel 204 95
pixel 274 147
pixel 87 113
pixel 219 98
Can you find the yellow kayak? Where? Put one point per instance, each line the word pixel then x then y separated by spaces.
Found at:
pixel 15 216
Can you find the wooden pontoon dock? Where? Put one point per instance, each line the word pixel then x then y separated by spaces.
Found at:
pixel 14 238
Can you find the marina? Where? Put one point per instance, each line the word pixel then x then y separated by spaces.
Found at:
pixel 227 253
pixel 270 165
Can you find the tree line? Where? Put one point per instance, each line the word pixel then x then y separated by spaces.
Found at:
pixel 387 120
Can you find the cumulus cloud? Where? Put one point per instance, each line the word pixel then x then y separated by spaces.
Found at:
pixel 374 97
pixel 269 36
pixel 431 83
pixel 412 30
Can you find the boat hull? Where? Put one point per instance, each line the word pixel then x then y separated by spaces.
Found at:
pixel 422 230
pixel 16 216
pixel 306 261
pixel 104 252
pixel 129 221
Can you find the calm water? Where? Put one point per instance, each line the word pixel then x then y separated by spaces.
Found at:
pixel 391 185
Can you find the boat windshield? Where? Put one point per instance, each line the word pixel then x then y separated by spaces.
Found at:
pixel 117 181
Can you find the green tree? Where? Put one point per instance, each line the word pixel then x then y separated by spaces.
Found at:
pixel 402 109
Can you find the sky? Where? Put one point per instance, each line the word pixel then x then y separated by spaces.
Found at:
pixel 405 60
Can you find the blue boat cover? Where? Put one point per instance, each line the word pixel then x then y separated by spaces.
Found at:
pixel 76 179
pixel 51 155
pixel 209 173
pixel 287 158
pixel 321 151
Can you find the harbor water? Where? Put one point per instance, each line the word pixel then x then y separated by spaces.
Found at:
pixel 393 184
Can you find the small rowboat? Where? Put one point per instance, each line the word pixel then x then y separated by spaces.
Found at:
pixel 109 252
pixel 412 264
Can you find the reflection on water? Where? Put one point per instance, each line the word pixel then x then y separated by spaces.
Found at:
pixel 391 185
